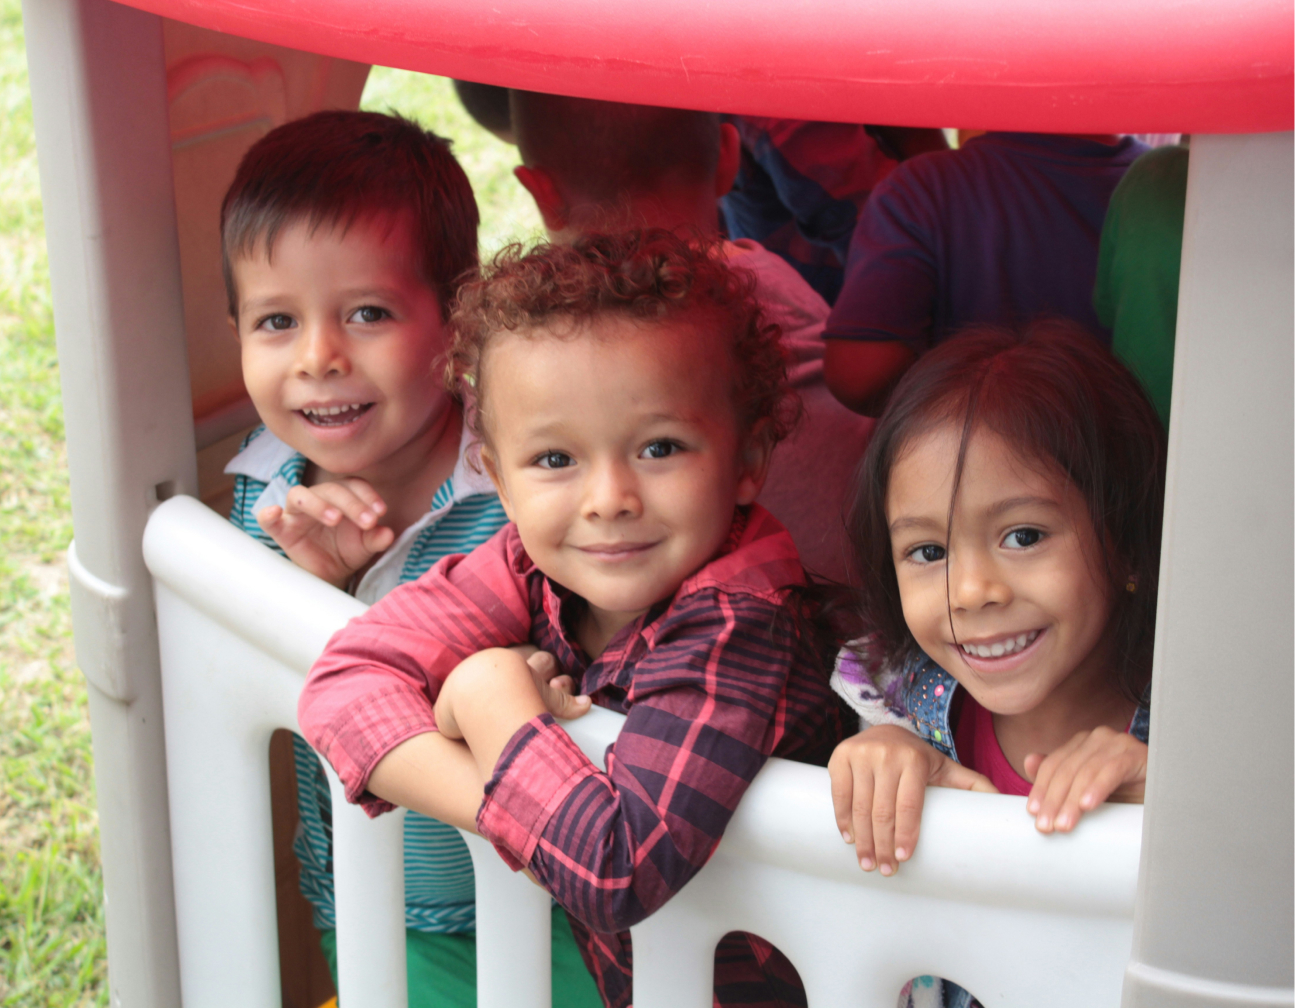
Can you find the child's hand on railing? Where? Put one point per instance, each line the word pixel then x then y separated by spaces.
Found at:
pixel 557 690
pixel 879 779
pixel 1093 767
pixel 330 529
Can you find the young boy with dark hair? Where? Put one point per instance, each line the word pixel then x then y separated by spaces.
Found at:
pixel 595 165
pixel 345 237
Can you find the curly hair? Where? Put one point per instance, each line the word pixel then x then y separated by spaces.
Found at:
pixel 652 276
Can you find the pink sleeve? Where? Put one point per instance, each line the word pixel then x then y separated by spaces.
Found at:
pixel 376 682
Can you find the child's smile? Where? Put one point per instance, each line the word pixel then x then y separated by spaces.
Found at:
pixel 341 338
pixel 1019 614
pixel 618 455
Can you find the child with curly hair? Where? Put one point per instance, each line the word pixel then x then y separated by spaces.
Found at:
pixel 628 396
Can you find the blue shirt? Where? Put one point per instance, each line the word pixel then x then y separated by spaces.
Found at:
pixel 1002 231
pixel 465 512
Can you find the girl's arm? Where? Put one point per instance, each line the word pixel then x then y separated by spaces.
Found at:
pixel 1093 767
pixel 710 702
pixel 879 780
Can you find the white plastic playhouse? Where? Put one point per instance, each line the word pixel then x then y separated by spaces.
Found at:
pixel 195 640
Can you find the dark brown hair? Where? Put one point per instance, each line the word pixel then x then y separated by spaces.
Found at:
pixel 651 276
pixel 608 152
pixel 332 167
pixel 1060 398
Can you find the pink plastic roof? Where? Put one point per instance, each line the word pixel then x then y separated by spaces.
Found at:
pixel 1155 66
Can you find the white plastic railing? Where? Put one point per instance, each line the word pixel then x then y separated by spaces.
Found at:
pixel 1018 918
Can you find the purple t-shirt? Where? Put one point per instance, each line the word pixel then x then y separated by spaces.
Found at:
pixel 1001 231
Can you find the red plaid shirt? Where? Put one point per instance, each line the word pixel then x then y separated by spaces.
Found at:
pixel 712 682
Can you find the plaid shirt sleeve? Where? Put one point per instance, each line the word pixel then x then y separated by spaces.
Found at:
pixel 707 708
pixel 376 682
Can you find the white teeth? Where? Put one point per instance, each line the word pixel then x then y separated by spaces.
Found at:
pixel 1004 647
pixel 331 410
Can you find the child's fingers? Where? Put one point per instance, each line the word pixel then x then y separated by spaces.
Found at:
pixel 543 665
pixel 377 540
pixel 955 775
pixel 885 810
pixel 862 792
pixel 841 776
pixel 342 498
pixel 909 801
pixel 1056 782
pixel 303 502
pixel 563 705
pixel 271 519
pixel 363 491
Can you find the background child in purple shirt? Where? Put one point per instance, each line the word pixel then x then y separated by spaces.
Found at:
pixel 1001 231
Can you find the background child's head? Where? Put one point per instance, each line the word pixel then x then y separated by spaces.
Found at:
pixel 345 236
pixel 1050 408
pixel 629 392
pixel 606 166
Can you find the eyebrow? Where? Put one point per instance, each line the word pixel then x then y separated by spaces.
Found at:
pixel 1012 503
pixel 902 524
pixel 1002 507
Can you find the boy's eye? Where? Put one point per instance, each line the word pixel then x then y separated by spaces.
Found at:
pixel 929 553
pixel 276 323
pixel 660 449
pixel 554 460
pixel 1022 538
pixel 370 314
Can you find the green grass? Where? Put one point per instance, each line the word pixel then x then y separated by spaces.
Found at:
pixel 507 211
pixel 52 948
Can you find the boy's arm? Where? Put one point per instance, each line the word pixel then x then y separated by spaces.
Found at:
pixel 374 686
pixel 709 706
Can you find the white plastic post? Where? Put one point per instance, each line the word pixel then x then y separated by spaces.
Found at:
pixel 99 102
pixel 369 890
pixel 514 941
pixel 1214 924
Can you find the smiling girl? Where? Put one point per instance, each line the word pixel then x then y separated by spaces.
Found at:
pixel 1008 531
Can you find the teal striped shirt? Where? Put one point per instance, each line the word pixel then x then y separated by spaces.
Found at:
pixel 465 512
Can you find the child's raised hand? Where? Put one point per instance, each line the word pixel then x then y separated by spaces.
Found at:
pixel 330 529
pixel 1093 767
pixel 879 780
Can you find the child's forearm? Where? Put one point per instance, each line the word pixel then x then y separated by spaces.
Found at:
pixel 486 700
pixel 434 775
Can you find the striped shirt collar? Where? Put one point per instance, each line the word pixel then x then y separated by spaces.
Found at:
pixel 280 467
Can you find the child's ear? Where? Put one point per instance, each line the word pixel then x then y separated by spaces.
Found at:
pixel 233 324
pixel 756 453
pixel 552 205
pixel 730 158
pixel 491 465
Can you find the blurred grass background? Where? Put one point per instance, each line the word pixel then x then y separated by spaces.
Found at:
pixel 52 949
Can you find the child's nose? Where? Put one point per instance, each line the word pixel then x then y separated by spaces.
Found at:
pixel 612 492
pixel 975 582
pixel 322 352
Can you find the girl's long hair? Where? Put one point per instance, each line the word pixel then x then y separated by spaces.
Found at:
pixel 1058 397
